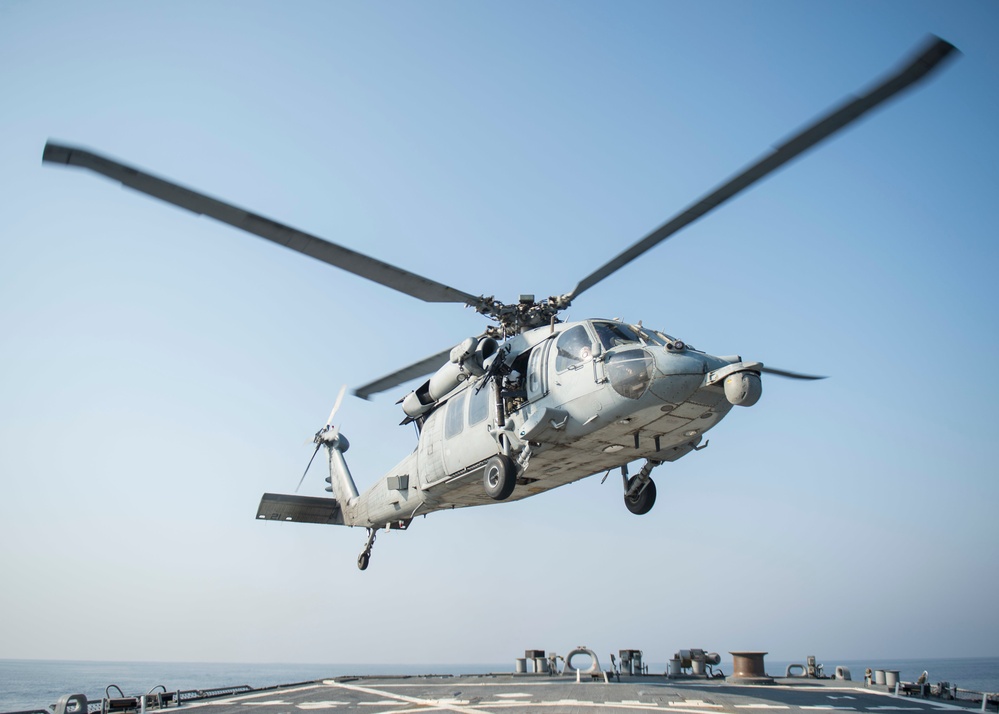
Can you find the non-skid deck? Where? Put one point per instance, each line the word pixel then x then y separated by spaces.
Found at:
pixel 555 695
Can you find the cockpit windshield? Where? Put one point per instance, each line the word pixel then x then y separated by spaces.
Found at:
pixel 655 337
pixel 661 338
pixel 612 334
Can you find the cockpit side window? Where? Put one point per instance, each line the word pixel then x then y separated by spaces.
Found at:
pixel 612 334
pixel 573 347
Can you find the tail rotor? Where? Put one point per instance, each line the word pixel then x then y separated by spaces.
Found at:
pixel 326 434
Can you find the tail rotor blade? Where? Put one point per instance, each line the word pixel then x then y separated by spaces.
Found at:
pixel 336 404
pixel 320 436
pixel 302 480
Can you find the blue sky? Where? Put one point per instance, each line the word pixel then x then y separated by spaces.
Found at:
pixel 158 372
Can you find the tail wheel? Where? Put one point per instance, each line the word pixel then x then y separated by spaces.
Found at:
pixel 500 477
pixel 642 502
pixel 362 561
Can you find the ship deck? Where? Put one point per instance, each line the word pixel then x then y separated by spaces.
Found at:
pixel 558 695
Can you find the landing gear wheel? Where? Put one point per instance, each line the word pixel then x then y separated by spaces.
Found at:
pixel 500 477
pixel 362 561
pixel 642 502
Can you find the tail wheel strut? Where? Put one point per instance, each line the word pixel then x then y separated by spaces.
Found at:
pixel 365 557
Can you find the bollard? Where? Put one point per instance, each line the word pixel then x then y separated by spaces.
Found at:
pixel 748 668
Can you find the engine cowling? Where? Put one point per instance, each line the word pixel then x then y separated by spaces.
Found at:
pixel 467 359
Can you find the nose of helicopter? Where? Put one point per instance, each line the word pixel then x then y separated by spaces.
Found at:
pixel 670 374
pixel 683 372
pixel 679 373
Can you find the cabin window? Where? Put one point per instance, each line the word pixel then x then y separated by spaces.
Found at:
pixel 478 405
pixel 455 419
pixel 612 334
pixel 573 348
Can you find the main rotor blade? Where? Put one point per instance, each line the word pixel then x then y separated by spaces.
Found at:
pixel 310 245
pixel 789 375
pixel 419 369
pixel 851 110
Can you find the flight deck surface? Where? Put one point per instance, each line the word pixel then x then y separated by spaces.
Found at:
pixel 558 695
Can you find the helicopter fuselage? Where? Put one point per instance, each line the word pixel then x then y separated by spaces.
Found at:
pixel 577 399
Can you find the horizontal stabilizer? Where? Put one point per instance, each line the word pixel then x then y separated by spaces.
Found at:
pixel 299 509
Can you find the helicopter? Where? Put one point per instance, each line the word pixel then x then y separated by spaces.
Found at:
pixel 532 402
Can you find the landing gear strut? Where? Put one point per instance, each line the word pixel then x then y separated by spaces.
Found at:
pixel 365 556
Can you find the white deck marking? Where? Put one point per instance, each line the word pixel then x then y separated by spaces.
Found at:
pixel 429 703
pixel 895 709
pixel 450 705
pixel 829 707
pixel 512 695
pixel 240 698
pixel 761 706
pixel 322 705
pixel 845 696
pixel 697 703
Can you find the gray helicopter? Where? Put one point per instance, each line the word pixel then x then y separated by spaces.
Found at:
pixel 532 403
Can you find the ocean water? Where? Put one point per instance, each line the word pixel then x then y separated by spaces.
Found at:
pixel 31 684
